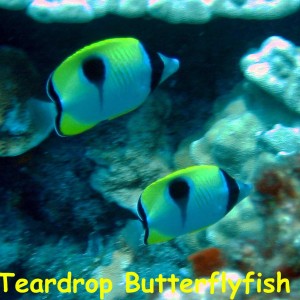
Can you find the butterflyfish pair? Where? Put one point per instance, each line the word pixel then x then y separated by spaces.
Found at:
pixel 103 81
pixel 188 200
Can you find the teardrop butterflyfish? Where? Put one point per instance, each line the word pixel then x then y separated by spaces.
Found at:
pixel 103 81
pixel 188 200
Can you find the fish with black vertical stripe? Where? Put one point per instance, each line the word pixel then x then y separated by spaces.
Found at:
pixel 188 200
pixel 103 81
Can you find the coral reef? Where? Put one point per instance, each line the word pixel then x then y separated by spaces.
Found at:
pixel 24 120
pixel 125 167
pixel 238 236
pixel 173 11
pixel 275 68
pixel 203 291
pixel 255 135
pixel 241 129
pixel 72 227
pixel 66 205
pixel 260 234
pixel 15 4
pixel 244 120
pixel 121 260
pixel 10 240
pixel 206 261
pixel 266 239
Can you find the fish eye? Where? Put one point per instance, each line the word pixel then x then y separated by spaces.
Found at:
pixel 179 189
pixel 94 69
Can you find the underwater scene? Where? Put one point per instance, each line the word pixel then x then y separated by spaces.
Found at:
pixel 150 149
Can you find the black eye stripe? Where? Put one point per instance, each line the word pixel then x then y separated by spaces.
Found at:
pixel 94 69
pixel 179 189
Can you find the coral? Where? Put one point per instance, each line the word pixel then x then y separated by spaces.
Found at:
pixel 254 135
pixel 261 234
pixel 14 4
pixel 66 10
pixel 280 139
pixel 204 290
pixel 273 184
pixel 275 67
pixel 219 145
pixel 278 201
pixel 177 295
pixel 219 293
pixel 116 273
pixel 182 157
pixel 24 120
pixel 78 229
pixel 173 11
pixel 11 235
pixel 238 235
pixel 182 11
pixel 254 9
pixel 206 261
pixel 136 161
pixel 241 129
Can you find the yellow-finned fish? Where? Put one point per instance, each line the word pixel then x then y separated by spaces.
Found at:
pixel 188 200
pixel 103 81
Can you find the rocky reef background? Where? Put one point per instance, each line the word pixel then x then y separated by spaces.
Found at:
pixel 65 204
